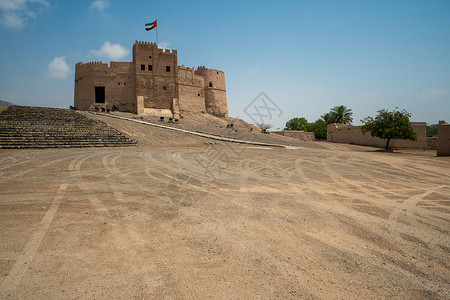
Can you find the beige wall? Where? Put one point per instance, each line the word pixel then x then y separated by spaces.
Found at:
pixel 341 133
pixel 215 96
pixel 298 134
pixel 117 80
pixel 191 91
pixel 443 142
pixel 159 87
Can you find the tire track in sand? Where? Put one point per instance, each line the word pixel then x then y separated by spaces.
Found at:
pixel 163 262
pixel 20 267
pixel 75 169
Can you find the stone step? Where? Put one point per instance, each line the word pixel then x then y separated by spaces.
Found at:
pixel 69 129
pixel 67 136
pixel 99 132
pixel 61 143
pixel 67 142
pixel 52 126
pixel 44 146
pixel 84 132
pixel 5 141
pixel 40 125
pixel 35 127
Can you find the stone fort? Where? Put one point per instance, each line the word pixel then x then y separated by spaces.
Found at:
pixel 152 84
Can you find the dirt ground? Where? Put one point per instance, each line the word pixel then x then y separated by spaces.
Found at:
pixel 206 123
pixel 175 218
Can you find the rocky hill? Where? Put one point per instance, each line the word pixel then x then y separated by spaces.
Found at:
pixel 5 103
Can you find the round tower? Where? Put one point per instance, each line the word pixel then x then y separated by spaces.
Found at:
pixel 215 91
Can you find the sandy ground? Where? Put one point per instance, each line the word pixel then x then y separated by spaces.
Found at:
pixel 206 123
pixel 175 218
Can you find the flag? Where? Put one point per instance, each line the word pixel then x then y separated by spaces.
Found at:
pixel 150 26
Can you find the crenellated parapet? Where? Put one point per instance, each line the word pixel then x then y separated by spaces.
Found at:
pixel 92 65
pixel 96 68
pixel 183 67
pixel 155 76
pixel 187 76
pixel 90 69
pixel 153 46
pixel 95 63
pixel 145 44
pixel 214 79
pixel 203 69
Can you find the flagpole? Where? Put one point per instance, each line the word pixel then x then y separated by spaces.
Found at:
pixel 156 32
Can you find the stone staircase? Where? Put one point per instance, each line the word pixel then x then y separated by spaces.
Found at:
pixel 38 127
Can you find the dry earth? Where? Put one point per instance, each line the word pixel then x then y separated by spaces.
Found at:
pixel 175 218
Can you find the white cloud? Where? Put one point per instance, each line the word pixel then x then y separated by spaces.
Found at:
pixel 13 20
pixel 100 5
pixel 163 45
pixel 111 51
pixel 16 13
pixel 58 68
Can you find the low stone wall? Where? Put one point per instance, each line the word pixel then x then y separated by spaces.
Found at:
pixel 443 143
pixel 342 133
pixel 154 112
pixel 298 134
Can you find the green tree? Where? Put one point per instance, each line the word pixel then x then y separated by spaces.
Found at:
pixel 297 124
pixel 341 114
pixel 390 125
pixel 432 130
pixel 319 127
pixel 327 118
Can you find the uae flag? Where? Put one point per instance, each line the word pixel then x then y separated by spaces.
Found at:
pixel 150 26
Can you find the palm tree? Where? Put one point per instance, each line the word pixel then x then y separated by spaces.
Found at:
pixel 328 118
pixel 341 114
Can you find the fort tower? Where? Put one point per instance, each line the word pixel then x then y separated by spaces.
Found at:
pixel 153 84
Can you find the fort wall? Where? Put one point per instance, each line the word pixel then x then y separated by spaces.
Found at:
pixel 443 141
pixel 191 91
pixel 156 74
pixel 342 133
pixel 154 78
pixel 215 91
pixel 118 83
pixel 298 134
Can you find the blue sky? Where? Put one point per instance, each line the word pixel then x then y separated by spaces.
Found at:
pixel 307 56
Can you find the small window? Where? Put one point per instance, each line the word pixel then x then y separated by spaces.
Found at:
pixel 125 83
pixel 149 56
pixel 142 67
pixel 118 83
pixel 150 67
pixel 210 84
pixel 198 95
pixel 164 87
pixel 217 72
pixel 167 68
